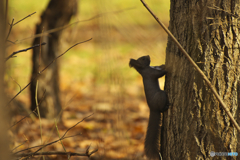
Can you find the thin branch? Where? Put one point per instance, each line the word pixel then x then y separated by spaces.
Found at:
pixel 76 125
pixel 45 144
pixel 61 137
pixel 44 70
pixel 11 25
pixel 21 119
pixel 16 82
pixel 11 41
pixel 19 145
pixel 63 54
pixel 24 50
pixel 29 114
pixel 69 25
pixel 40 102
pixel 195 66
pixel 39 116
pixel 57 153
pixel 10 29
pixel 40 51
pixel 24 18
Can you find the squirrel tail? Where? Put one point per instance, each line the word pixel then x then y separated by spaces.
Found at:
pixel 151 147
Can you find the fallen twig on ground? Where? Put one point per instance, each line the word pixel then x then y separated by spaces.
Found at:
pixel 27 155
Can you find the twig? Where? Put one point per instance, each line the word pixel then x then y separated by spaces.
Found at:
pixel 10 29
pixel 11 41
pixel 69 25
pixel 19 145
pixel 76 124
pixel 45 144
pixel 63 54
pixel 11 25
pixel 40 51
pixel 44 70
pixel 16 82
pixel 24 50
pixel 21 119
pixel 195 66
pixel 24 18
pixel 61 137
pixel 29 114
pixel 57 153
pixel 39 116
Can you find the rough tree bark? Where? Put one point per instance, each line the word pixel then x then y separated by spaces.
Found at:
pixel 57 14
pixel 196 124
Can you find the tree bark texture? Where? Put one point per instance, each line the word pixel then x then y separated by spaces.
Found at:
pixel 196 124
pixel 57 14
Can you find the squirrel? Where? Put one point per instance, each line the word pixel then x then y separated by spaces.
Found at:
pixel 156 99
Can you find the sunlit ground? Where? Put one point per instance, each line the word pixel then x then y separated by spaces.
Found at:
pixel 94 76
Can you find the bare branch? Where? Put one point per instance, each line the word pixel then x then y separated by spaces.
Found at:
pixel 10 29
pixel 45 69
pixel 19 145
pixel 57 153
pixel 16 82
pixel 11 25
pixel 76 124
pixel 11 41
pixel 24 50
pixel 29 114
pixel 24 18
pixel 63 54
pixel 45 144
pixel 69 25
pixel 21 120
pixel 60 138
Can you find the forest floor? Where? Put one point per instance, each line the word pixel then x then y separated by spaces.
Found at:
pixel 120 114
pixel 95 80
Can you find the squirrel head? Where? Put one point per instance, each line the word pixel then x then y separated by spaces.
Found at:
pixel 142 65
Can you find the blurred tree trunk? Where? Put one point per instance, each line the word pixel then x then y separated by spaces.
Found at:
pixel 196 124
pixel 57 14
pixel 4 121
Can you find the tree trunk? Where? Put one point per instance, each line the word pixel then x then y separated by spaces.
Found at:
pixel 4 119
pixel 57 14
pixel 196 124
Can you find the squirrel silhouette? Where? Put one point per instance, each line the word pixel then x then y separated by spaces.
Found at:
pixel 156 99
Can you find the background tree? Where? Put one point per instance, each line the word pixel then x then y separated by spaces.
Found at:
pixel 196 124
pixel 57 14
pixel 4 141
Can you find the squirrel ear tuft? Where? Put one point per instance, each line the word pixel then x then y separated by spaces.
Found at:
pixel 134 63
pixel 131 62
pixel 140 63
